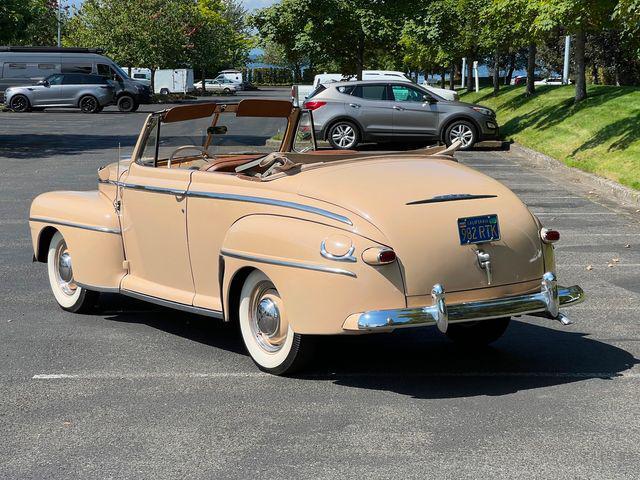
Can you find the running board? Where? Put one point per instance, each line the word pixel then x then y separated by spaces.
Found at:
pixel 175 305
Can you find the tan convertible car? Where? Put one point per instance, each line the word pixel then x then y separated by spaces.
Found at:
pixel 232 211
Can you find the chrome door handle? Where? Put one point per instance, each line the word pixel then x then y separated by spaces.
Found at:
pixel 354 105
pixel 396 107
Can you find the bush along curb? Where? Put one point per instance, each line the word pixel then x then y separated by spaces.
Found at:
pixel 604 187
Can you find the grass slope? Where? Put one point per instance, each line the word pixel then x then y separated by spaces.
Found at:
pixel 600 135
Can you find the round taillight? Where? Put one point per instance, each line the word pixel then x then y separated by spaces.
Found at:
pixel 549 236
pixel 387 256
pixel 379 256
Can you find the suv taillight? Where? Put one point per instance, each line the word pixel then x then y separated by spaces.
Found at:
pixel 314 104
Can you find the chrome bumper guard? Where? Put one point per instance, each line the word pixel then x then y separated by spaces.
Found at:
pixel 545 303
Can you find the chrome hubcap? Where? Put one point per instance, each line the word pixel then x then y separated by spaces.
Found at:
pixel 64 270
pixel 267 323
pixel 343 135
pixel 463 133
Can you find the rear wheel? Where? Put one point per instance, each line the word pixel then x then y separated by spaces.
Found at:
pixel 227 91
pixel 19 103
pixel 461 130
pixel 164 91
pixel 68 294
pixel 89 104
pixel 343 135
pixel 478 334
pixel 266 332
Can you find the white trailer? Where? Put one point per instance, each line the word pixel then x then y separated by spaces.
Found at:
pixel 178 80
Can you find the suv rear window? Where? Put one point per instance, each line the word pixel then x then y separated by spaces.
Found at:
pixel 346 89
pixel 317 90
pixel 371 92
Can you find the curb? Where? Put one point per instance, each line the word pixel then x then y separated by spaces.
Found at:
pixel 607 188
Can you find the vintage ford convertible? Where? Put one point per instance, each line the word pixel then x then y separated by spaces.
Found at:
pixel 292 241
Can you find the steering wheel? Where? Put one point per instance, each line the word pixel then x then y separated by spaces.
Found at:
pixel 204 151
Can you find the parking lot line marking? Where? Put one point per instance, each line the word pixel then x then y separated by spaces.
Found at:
pixel 329 375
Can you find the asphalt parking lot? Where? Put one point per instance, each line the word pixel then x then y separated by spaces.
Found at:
pixel 138 391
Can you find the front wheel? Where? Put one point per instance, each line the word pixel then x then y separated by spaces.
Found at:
pixel 463 131
pixel 89 104
pixel 478 334
pixel 343 135
pixel 69 295
pixel 126 104
pixel 266 332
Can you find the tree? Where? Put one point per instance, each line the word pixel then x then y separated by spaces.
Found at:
pixel 29 22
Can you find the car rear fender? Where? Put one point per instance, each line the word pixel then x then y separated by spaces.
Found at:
pixel 319 292
pixel 91 228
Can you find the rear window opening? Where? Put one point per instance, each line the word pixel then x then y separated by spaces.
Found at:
pixel 316 91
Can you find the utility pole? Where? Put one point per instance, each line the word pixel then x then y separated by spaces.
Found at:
pixel 59 21
pixel 567 48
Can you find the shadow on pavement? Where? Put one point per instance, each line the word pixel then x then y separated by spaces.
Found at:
pixel 418 362
pixel 25 146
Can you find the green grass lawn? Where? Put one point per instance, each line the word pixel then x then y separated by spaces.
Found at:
pixel 600 135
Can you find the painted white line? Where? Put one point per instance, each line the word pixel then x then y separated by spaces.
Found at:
pixel 222 375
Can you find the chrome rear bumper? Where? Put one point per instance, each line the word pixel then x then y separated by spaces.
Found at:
pixel 545 303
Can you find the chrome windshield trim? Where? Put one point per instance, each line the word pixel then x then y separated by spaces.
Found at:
pixel 273 202
pixel 74 225
pixel 286 263
pixel 543 303
pixel 452 197
pixel 175 305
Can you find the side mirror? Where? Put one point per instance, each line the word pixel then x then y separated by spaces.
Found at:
pixel 429 99
pixel 217 130
pixel 44 83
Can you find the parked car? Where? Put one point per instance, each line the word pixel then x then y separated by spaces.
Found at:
pixel 300 93
pixel 231 76
pixel 293 245
pixel 177 80
pixel 21 66
pixel 551 81
pixel 216 86
pixel 89 93
pixel 519 80
pixel 349 113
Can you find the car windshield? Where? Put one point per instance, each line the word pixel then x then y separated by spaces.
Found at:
pixel 220 134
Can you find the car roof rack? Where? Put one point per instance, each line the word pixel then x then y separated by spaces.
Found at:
pixel 50 49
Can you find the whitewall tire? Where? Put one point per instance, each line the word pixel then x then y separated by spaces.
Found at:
pixel 68 294
pixel 266 332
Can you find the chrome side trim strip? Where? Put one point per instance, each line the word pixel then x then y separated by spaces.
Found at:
pixel 273 202
pixel 286 263
pixel 237 198
pixel 96 288
pixel 74 225
pixel 175 305
pixel 544 303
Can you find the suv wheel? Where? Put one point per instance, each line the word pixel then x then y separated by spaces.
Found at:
pixel 126 103
pixel 343 135
pixel 164 91
pixel 462 130
pixel 89 104
pixel 19 103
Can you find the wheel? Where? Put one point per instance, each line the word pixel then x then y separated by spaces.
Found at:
pixel 69 296
pixel 266 333
pixel 126 104
pixel 164 91
pixel 343 135
pixel 20 103
pixel 461 130
pixel 89 104
pixel 477 334
pixel 226 91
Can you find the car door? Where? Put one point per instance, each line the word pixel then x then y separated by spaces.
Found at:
pixel 71 82
pixel 48 94
pixel 371 107
pixel 415 112
pixel 154 227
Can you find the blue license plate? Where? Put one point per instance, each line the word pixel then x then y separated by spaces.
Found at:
pixel 480 229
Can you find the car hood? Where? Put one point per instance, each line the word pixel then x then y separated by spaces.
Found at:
pixel 400 197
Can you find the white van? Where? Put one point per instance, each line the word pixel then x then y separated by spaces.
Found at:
pixel 21 66
pixel 230 76
pixel 142 75
pixel 177 80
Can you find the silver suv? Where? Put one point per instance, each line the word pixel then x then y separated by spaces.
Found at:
pixel 89 93
pixel 348 113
